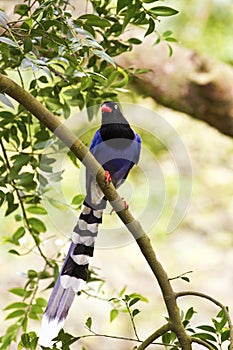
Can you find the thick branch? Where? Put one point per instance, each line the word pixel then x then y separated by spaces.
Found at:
pixel 80 150
pixel 188 82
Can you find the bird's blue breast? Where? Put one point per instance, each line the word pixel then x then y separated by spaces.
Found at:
pixel 116 155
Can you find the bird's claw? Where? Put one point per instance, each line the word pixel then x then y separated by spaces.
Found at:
pixel 107 176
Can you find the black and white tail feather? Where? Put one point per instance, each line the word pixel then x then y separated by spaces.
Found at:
pixel 74 271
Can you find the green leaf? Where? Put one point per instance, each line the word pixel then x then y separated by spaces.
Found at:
pixel 113 314
pixel 121 4
pixel 27 44
pixel 25 339
pixel 96 21
pixel 170 39
pixel 151 27
pixel 128 16
pixel 104 56
pixel 133 301
pixel 25 179
pixel 32 274
pixel 134 41
pixel 13 251
pixel 184 278
pixel 18 291
pixel 19 161
pixel 124 81
pixel 20 232
pixel 28 341
pixel 85 82
pixel 78 199
pixel 166 338
pixel 189 314
pixel 37 225
pixel 17 305
pixel 21 9
pixel 11 205
pixel 35 209
pixel 141 71
pixel 41 302
pixel 207 328
pixel 225 335
pixel 204 336
pixel 167 33
pixel 15 314
pixel 89 322
pixel 135 312
pixel 163 11
pixel 170 54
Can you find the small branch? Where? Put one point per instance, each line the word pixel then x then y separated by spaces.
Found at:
pixel 214 301
pixel 202 342
pixel 158 333
pixel 180 276
pixel 132 320
pixel 94 334
pixel 21 203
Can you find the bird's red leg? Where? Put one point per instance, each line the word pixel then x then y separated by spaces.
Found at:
pixel 126 205
pixel 107 176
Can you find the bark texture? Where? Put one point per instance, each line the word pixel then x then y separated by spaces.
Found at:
pixel 187 82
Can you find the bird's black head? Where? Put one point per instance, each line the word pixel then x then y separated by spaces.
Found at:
pixel 111 113
pixel 114 124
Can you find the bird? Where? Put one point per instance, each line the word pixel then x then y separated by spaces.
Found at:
pixel 116 146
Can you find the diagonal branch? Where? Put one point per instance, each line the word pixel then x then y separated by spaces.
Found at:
pixel 203 343
pixel 81 151
pixel 158 333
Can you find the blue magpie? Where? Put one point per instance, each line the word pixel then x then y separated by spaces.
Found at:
pixel 116 146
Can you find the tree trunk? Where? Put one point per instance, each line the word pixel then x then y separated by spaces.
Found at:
pixel 187 82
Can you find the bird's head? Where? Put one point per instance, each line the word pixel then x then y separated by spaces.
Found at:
pixel 111 113
pixel 114 124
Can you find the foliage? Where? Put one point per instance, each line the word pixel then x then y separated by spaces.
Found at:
pixel 204 26
pixel 66 63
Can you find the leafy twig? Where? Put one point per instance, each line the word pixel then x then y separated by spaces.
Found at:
pixel 216 302
pixel 21 203
pixel 202 342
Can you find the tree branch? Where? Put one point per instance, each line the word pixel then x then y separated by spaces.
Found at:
pixel 81 151
pixel 202 342
pixel 158 333
pixel 187 82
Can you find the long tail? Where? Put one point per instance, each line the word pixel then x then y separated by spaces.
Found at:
pixel 73 273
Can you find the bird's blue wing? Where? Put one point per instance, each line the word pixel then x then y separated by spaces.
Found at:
pixel 97 139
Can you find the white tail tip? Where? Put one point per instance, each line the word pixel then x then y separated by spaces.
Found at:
pixel 49 330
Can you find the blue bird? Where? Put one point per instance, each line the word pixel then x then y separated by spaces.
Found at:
pixel 116 147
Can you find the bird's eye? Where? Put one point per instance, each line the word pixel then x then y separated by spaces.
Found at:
pixel 115 106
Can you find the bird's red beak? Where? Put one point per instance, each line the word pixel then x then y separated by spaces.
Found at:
pixel 106 108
